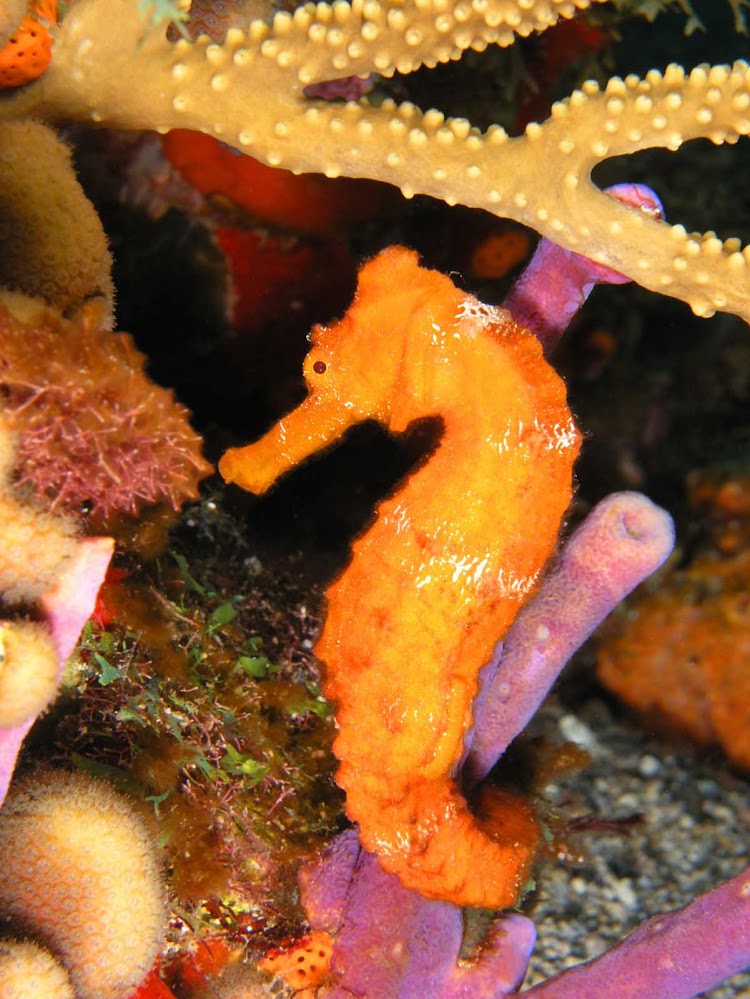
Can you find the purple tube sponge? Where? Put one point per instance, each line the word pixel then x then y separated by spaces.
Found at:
pixel 675 956
pixel 621 542
pixel 557 282
pixel 389 941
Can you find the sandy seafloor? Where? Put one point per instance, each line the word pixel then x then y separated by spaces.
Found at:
pixel 694 834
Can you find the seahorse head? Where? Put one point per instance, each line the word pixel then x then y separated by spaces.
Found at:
pixel 377 362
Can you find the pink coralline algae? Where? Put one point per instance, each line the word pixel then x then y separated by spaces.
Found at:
pixel 92 429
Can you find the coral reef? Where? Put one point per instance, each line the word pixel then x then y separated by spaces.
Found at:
pixel 79 871
pixel 173 693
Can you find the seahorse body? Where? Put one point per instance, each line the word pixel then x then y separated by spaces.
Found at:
pixel 438 578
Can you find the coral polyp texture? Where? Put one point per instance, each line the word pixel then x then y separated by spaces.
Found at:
pixel 92 428
pixel 472 528
pixel 28 971
pixel 28 680
pixel 250 91
pixel 60 252
pixel 79 872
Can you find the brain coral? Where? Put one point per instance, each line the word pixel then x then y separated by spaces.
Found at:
pixel 91 427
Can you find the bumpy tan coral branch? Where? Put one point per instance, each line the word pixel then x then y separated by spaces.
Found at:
pixel 249 91
pixel 79 870
pixel 54 244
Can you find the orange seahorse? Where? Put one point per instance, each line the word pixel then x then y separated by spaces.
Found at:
pixel 441 573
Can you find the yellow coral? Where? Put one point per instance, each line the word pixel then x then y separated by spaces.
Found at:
pixel 28 971
pixel 249 91
pixel 35 546
pixel 79 870
pixel 54 243
pixel 28 671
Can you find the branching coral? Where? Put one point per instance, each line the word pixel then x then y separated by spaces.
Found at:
pixel 92 428
pixel 541 178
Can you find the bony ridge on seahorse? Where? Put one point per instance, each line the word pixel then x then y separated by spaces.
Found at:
pixel 441 573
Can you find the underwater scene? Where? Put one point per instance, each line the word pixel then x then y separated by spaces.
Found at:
pixel 374 499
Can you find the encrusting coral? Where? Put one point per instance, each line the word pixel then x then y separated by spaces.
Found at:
pixel 28 673
pixel 678 653
pixel 474 525
pixel 79 871
pixel 250 91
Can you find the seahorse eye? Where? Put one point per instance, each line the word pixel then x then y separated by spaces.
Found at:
pixel 319 367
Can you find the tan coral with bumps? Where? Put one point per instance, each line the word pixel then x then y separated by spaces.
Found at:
pixel 36 545
pixel 249 91
pixel 28 671
pixel 28 971
pixel 79 870
pixel 59 250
